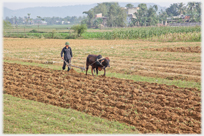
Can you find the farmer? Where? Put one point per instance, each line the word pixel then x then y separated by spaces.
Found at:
pixel 67 55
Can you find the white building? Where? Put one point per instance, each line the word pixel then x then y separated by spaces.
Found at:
pixel 131 13
pixel 43 22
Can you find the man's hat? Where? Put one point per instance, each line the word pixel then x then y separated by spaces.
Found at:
pixel 67 43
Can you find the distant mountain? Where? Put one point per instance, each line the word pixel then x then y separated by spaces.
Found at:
pixel 74 10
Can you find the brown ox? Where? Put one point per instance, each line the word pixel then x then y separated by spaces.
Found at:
pixel 97 64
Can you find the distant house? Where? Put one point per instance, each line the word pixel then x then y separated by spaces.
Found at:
pixel 186 18
pixel 99 15
pixel 43 22
pixel 181 16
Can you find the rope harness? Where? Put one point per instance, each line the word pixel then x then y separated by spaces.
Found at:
pixel 97 60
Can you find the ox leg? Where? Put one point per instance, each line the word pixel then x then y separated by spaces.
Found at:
pixel 104 72
pixel 97 71
pixel 87 67
pixel 92 71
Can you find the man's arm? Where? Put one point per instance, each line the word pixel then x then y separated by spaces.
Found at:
pixel 71 51
pixel 62 53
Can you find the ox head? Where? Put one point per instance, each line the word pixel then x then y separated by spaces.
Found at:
pixel 105 62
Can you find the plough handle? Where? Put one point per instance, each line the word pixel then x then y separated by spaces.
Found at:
pixel 73 65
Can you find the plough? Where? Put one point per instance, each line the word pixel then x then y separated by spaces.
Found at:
pixel 82 68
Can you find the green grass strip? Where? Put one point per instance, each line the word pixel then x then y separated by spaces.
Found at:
pixel 23 116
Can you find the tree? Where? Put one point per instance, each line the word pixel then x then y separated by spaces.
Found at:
pixel 129 6
pixel 84 21
pixel 192 10
pixel 111 10
pixel 198 9
pixel 162 16
pixel 141 14
pixel 112 16
pixel 121 16
pixel 101 8
pixel 97 22
pixel 116 16
pixel 152 16
pixel 155 7
pixel 172 10
pixel 79 29
pixel 90 15
pixel 191 6
pixel 181 8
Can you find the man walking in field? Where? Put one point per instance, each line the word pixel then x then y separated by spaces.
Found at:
pixel 67 55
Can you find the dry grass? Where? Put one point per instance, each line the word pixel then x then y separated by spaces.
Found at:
pixel 127 56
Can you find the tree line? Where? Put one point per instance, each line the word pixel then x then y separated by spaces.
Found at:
pixel 27 20
pixel 117 16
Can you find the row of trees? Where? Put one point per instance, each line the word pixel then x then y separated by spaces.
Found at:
pixel 149 17
pixel 50 20
pixel 117 16
pixel 193 9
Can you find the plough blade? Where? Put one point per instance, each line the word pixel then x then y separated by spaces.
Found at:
pixel 82 69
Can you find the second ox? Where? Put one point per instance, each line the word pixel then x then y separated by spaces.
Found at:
pixel 97 62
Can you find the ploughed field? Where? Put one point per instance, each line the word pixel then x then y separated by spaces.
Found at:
pixel 150 107
pixel 168 60
pixel 196 49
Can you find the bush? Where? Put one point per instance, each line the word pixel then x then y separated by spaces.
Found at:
pixel 41 36
pixel 35 31
pixel 79 29
pixel 71 36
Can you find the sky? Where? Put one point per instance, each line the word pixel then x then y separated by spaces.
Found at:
pixel 19 4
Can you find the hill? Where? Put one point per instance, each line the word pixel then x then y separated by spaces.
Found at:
pixel 72 10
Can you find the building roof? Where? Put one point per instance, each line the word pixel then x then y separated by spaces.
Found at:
pixel 187 17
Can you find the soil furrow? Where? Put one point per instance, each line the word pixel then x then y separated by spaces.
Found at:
pixel 150 107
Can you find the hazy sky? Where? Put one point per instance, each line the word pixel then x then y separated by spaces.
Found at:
pixel 18 4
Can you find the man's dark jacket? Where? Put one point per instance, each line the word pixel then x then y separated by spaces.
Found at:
pixel 67 53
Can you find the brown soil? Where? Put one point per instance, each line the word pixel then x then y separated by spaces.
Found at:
pixel 150 107
pixel 188 71
pixel 196 49
pixel 72 71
